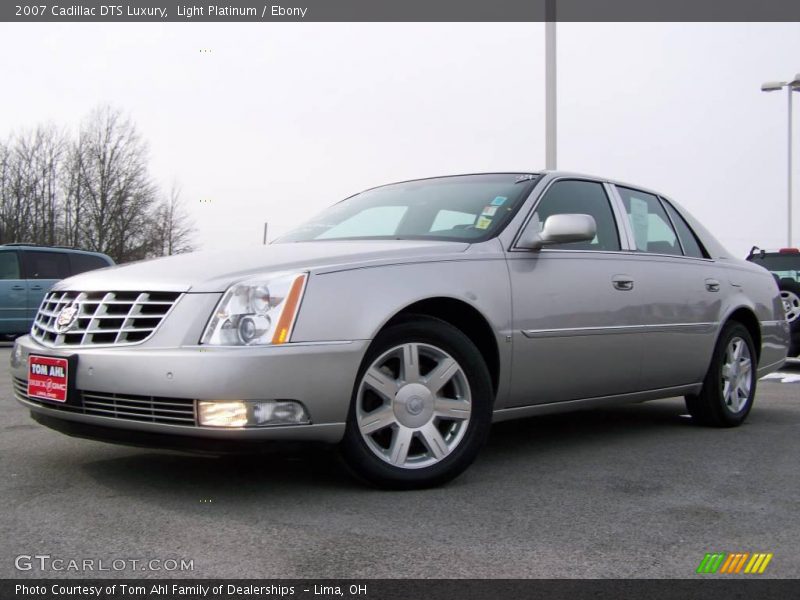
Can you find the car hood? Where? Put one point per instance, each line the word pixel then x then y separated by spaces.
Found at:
pixel 211 271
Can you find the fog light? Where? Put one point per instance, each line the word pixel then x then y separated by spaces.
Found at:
pixel 241 413
pixel 222 414
pixel 279 412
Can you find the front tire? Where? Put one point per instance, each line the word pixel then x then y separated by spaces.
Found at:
pixel 730 384
pixel 421 406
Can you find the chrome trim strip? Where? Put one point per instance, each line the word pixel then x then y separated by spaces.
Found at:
pixel 658 328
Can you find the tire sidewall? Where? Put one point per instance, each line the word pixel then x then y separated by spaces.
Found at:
pixel 361 459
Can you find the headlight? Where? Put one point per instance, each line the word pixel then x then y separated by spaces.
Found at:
pixel 257 311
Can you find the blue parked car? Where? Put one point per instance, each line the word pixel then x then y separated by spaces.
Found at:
pixel 28 271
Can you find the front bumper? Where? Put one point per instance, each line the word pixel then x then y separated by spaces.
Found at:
pixel 319 375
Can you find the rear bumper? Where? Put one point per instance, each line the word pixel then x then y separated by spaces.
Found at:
pixel 320 376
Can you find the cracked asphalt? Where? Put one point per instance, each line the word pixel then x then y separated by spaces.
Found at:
pixel 637 491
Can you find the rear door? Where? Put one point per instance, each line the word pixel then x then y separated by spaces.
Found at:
pixel 682 291
pixel 571 306
pixel 13 294
pixel 42 268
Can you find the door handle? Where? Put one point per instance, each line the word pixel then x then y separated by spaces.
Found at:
pixel 17 288
pixel 712 285
pixel 624 283
pixel 36 288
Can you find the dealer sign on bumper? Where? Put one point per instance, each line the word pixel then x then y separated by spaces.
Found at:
pixel 48 378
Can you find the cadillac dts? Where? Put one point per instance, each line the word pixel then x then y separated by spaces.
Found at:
pixel 404 320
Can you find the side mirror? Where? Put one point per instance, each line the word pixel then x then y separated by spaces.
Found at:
pixel 558 229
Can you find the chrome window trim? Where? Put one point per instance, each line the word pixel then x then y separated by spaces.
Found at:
pixel 706 327
pixel 623 222
pixel 627 225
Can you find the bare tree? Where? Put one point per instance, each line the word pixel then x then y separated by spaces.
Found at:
pixel 112 194
pixel 93 192
pixel 30 194
pixel 173 231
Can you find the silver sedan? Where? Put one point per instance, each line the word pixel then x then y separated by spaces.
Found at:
pixel 403 320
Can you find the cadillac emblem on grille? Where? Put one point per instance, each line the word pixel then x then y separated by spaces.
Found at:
pixel 67 318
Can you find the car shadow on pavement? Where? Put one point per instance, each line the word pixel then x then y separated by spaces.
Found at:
pixel 292 467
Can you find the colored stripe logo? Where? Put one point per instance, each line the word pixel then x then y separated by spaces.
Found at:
pixel 734 562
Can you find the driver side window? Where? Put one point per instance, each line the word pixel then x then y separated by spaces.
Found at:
pixel 581 197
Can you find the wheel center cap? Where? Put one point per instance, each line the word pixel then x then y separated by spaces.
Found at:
pixel 413 405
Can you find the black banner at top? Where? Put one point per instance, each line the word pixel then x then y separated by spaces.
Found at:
pixel 399 10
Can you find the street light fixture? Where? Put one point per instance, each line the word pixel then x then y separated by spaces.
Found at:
pixel 791 86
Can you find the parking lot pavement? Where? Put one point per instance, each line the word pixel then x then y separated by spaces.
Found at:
pixel 636 491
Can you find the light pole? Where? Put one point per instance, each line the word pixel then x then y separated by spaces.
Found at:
pixel 550 105
pixel 791 86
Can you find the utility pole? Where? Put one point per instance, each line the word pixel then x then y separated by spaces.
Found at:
pixel 266 224
pixel 550 81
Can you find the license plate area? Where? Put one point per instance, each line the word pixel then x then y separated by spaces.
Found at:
pixel 51 378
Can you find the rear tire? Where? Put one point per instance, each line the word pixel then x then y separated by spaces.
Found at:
pixel 421 406
pixel 730 384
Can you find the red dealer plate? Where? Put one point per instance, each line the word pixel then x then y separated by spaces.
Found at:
pixel 48 378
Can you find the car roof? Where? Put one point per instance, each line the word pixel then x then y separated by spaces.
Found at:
pixel 64 249
pixel 551 173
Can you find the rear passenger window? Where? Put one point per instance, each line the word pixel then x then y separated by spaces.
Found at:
pixel 652 230
pixel 585 198
pixel 9 265
pixel 45 265
pixel 691 247
pixel 86 262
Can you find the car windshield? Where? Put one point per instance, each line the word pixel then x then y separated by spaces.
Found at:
pixel 785 266
pixel 462 208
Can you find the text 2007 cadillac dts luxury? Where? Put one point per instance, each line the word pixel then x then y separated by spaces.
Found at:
pixel 403 320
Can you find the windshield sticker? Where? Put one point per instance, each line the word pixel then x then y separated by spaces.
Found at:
pixel 489 211
pixel 499 201
pixel 640 222
pixel 483 223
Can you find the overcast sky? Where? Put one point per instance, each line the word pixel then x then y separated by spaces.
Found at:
pixel 278 121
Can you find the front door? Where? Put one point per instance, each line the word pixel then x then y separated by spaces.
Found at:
pixel 571 305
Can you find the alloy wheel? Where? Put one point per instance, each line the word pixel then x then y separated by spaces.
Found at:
pixel 413 405
pixel 737 375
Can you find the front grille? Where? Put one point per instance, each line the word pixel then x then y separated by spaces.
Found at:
pixel 150 409
pixel 103 318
